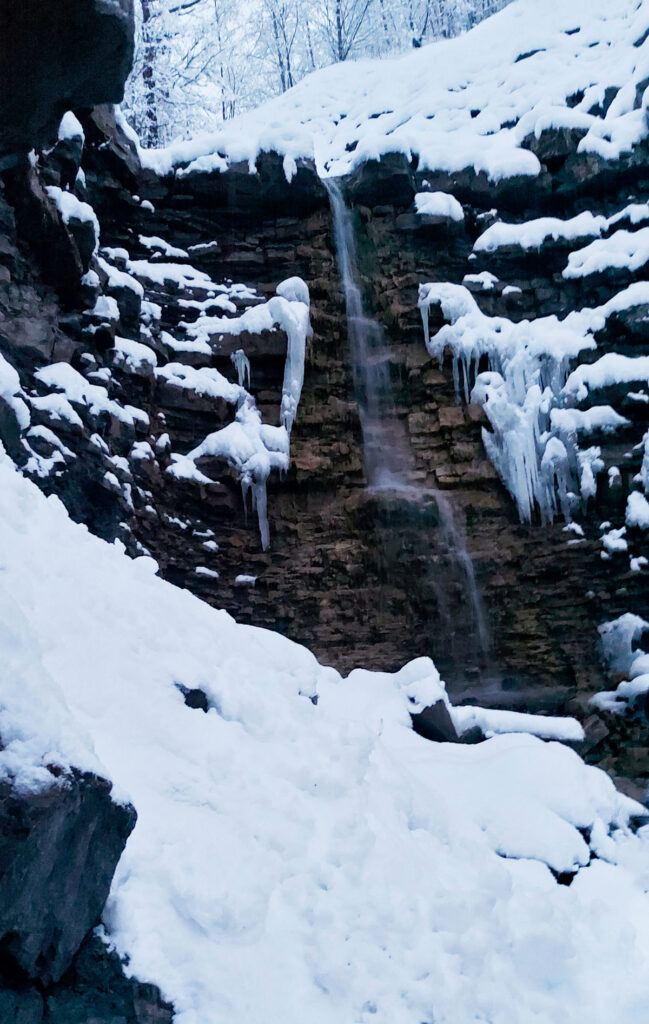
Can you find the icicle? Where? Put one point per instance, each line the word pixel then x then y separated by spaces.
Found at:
pixel 425 319
pixel 537 458
pixel 290 309
pixel 260 503
pixel 643 476
pixel 242 365
pixel 590 464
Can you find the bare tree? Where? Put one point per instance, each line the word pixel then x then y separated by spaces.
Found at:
pixel 284 19
pixel 346 24
pixel 199 62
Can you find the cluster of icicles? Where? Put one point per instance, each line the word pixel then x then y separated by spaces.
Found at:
pixel 528 395
pixel 252 447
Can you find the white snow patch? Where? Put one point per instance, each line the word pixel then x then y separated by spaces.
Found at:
pixel 439 204
pixel 134 357
pixel 72 208
pixel 637 511
pixel 70 128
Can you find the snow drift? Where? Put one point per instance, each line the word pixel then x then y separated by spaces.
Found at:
pixel 300 853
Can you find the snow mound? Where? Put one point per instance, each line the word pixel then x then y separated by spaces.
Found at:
pixel 300 853
pixel 537 64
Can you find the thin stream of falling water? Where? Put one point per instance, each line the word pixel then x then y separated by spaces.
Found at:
pixel 386 448
pixel 388 456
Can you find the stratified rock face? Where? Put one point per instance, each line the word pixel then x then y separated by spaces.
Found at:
pixel 54 56
pixel 358 576
pixel 58 853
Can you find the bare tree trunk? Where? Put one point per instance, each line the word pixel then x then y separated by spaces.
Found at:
pixel 309 43
pixel 340 48
pixel 151 128
pixel 384 22
pixel 280 52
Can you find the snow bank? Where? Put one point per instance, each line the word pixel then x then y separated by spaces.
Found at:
pixel 490 90
pixel 169 273
pixel 70 128
pixel 203 381
pixel 610 369
pixel 159 245
pixel 119 278
pixel 297 861
pixel 532 234
pixel 495 722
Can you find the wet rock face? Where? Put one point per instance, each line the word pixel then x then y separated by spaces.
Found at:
pixel 55 56
pixel 58 853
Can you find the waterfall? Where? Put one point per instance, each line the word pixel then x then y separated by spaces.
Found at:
pixel 388 455
pixel 387 451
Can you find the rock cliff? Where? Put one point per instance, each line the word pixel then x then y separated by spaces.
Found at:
pixel 361 577
pixel 143 316
pixel 60 843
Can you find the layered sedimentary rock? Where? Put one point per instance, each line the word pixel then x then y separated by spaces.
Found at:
pixel 361 577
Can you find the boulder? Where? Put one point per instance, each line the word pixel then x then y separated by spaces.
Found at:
pixel 435 723
pixel 58 851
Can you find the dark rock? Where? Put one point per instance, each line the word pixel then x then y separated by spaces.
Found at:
pixel 55 57
pixel 83 232
pixel 435 723
pixel 96 991
pixel 373 181
pixel 197 699
pixel 39 225
pixel 554 144
pixel 58 852
pixel 120 153
pixel 21 1007
pixel 10 431
pixel 66 156
pixel 247 195
pixel 128 302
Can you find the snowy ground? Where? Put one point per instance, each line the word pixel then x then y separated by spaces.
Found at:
pixel 296 861
pixel 507 79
